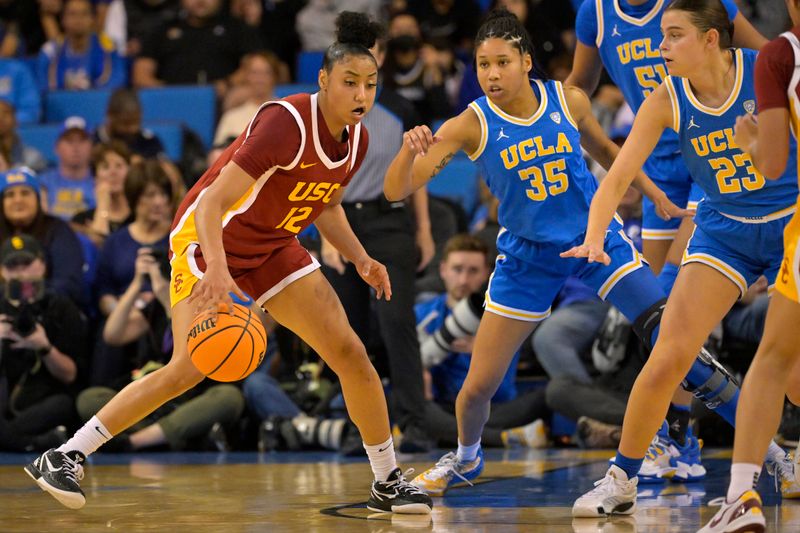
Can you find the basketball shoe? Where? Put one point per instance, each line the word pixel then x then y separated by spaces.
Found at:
pixel 787 472
pixel 743 514
pixel 59 473
pixel 396 495
pixel 449 472
pixel 610 495
pixel 666 459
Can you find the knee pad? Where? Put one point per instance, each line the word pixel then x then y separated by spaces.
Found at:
pixel 710 382
pixel 648 321
pixel 462 322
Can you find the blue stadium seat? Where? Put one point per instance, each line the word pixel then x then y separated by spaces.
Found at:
pixel 282 91
pixel 171 135
pixel 42 137
pixel 90 104
pixel 308 65
pixel 459 182
pixel 195 106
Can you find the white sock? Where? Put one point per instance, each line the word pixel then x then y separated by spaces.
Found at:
pixel 466 454
pixel 744 477
pixel 775 453
pixel 86 440
pixel 381 459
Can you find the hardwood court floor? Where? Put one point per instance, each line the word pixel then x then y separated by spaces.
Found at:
pixel 529 491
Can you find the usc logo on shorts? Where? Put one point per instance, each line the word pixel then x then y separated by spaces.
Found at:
pixel 177 283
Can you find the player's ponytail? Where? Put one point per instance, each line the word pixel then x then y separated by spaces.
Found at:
pixel 502 24
pixel 355 35
pixel 707 15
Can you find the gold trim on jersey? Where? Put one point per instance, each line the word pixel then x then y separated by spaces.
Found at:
pixel 563 99
pixel 639 21
pixel 523 121
pixel 484 131
pixel 738 63
pixel 600 24
pixel 659 234
pixel 673 100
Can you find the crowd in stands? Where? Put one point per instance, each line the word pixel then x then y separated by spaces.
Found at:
pixel 86 217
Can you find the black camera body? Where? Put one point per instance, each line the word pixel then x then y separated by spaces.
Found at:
pixel 23 319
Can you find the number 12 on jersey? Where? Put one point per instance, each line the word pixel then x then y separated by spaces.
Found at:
pixel 295 215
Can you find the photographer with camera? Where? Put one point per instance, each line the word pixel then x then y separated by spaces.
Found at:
pixel 446 326
pixel 42 352
pixel 142 318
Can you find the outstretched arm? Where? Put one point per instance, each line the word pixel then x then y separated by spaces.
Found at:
pixel 423 154
pixel 653 117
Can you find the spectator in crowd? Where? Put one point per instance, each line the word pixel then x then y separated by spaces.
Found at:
pixel 142 316
pixel 316 22
pixel 18 88
pixel 415 76
pixel 82 59
pixel 149 193
pixel 124 124
pixel 28 25
pixel 446 353
pixel 69 188
pixel 110 163
pixel 275 22
pixel 259 83
pixel 43 351
pixel 19 154
pixel 145 17
pixel 455 21
pixel 23 213
pixel 201 46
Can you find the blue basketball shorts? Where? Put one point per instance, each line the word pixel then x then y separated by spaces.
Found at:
pixel 528 275
pixel 741 249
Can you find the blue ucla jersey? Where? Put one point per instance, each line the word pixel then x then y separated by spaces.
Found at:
pixel 731 183
pixel 534 167
pixel 629 48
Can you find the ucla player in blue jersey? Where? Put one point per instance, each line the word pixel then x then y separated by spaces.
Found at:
pixel 527 138
pixel 623 37
pixel 739 233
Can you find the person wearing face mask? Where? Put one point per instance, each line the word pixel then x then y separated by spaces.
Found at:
pixel 42 351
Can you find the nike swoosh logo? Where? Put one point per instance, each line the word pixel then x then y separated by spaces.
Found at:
pixel 303 165
pixel 381 450
pixel 101 432
pixel 50 465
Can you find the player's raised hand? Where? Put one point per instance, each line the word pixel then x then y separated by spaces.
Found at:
pixel 592 252
pixel 214 289
pixel 419 139
pixel 376 276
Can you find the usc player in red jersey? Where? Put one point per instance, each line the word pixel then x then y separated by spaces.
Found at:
pixel 235 232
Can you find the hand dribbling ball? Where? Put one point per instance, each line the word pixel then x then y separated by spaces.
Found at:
pixel 227 347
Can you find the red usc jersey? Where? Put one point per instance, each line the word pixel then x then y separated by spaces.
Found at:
pixel 295 178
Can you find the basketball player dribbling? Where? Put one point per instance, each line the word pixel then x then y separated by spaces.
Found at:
pixel 235 232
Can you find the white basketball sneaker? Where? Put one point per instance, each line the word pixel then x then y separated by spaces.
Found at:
pixel 611 495
pixel 743 514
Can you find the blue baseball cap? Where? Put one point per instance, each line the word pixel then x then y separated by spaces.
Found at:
pixel 74 123
pixel 18 176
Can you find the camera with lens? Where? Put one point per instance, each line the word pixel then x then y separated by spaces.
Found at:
pixel 161 257
pixel 23 318
pixel 462 322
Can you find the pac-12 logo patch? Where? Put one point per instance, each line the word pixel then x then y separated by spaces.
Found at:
pixel 555 116
pixel 750 106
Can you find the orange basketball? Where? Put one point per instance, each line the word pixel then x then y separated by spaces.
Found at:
pixel 228 347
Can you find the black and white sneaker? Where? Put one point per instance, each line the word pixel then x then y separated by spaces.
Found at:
pixel 396 495
pixel 59 474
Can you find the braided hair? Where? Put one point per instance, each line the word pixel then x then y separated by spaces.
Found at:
pixel 502 24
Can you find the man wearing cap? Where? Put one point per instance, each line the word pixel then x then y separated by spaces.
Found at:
pixel 69 187
pixel 42 350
